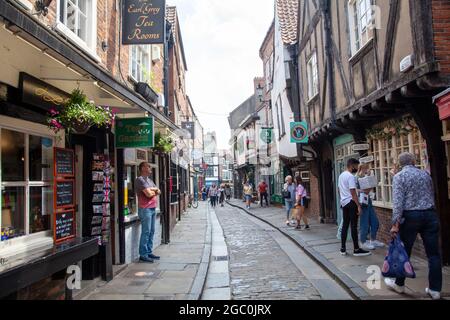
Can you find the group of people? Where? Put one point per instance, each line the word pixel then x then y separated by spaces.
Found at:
pixel 217 195
pixel 262 193
pixel 295 197
pixel 413 213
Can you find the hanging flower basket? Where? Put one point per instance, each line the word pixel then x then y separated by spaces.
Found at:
pixel 78 115
pixel 163 144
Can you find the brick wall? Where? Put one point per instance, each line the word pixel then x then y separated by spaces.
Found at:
pixel 441 29
pixel 384 216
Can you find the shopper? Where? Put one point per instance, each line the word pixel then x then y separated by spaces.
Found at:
pixel 414 213
pixel 213 192
pixel 204 193
pixel 368 219
pixel 147 194
pixel 351 208
pixel 222 195
pixel 289 189
pixel 248 194
pixel 300 201
pixel 228 192
pixel 262 189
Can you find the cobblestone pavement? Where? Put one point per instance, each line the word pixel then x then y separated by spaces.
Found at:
pixel 259 268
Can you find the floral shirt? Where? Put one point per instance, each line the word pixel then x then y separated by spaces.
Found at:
pixel 412 190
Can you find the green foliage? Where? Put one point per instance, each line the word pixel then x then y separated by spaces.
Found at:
pixel 78 110
pixel 163 143
pixel 393 128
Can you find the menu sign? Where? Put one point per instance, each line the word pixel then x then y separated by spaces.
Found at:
pixel 64 163
pixel 64 194
pixel 64 225
pixel 143 21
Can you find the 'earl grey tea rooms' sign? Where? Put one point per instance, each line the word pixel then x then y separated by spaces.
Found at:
pixel 143 21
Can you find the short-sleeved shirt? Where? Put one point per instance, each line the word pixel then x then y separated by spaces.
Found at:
pixel 301 191
pixel 262 188
pixel 248 190
pixel 145 202
pixel 292 189
pixel 347 182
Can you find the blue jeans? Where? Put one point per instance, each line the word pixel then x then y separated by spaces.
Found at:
pixel 148 220
pixel 368 219
pixel 289 205
pixel 426 224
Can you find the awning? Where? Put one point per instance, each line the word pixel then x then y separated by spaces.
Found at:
pixel 47 56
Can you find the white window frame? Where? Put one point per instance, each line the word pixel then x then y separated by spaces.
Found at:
pixel 90 45
pixel 313 76
pixel 139 55
pixel 40 239
pixel 360 22
pixel 381 152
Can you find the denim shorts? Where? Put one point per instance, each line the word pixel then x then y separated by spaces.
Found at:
pixel 248 197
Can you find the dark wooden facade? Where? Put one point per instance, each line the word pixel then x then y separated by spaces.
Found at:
pixel 359 90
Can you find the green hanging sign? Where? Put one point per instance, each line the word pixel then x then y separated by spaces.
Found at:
pixel 299 132
pixel 266 135
pixel 135 133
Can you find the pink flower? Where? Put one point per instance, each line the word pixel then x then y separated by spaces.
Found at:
pixel 53 112
pixel 56 124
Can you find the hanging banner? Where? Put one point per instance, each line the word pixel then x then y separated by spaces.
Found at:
pixel 299 132
pixel 143 21
pixel 189 127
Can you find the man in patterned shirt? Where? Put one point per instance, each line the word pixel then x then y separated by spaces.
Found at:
pixel 414 213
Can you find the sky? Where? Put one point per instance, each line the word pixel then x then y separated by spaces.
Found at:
pixel 221 42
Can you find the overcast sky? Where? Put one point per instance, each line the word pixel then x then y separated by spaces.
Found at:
pixel 221 41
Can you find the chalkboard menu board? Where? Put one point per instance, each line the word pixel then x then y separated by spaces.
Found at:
pixel 64 163
pixel 64 225
pixel 65 193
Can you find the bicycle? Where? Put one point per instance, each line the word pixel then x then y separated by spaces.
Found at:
pixel 193 202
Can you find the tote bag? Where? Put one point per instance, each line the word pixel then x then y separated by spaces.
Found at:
pixel 397 264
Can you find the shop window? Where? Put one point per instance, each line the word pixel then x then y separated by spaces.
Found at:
pixel 26 183
pixel 386 151
pixel 174 176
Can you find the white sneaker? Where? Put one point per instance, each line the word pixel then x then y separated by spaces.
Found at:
pixel 368 246
pixel 288 223
pixel 390 283
pixel 377 244
pixel 433 294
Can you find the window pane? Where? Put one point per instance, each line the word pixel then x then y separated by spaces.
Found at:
pixel 13 153
pixel 41 158
pixel 71 16
pixel 41 208
pixel 13 212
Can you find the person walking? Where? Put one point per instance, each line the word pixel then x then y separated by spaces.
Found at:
pixel 368 219
pixel 227 192
pixel 300 201
pixel 213 192
pixel 248 194
pixel 262 189
pixel 222 195
pixel 204 194
pixel 351 208
pixel 289 189
pixel 147 194
pixel 414 213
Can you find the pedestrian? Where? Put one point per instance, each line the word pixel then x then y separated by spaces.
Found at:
pixel 222 195
pixel 301 196
pixel 248 194
pixel 289 197
pixel 262 189
pixel 147 194
pixel 213 191
pixel 351 208
pixel 228 192
pixel 204 194
pixel 414 213
pixel 368 219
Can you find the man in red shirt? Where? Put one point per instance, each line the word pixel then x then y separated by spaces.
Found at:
pixel 262 188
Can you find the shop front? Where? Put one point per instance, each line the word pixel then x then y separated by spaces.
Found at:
pixel 443 103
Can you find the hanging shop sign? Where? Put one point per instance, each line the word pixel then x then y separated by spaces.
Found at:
pixel 189 127
pixel 266 135
pixel 360 147
pixel 135 133
pixel 143 21
pixel 40 94
pixel 368 159
pixel 299 132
